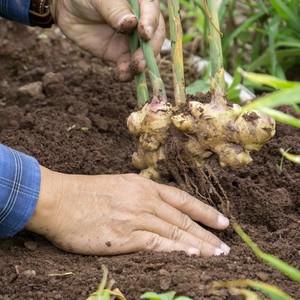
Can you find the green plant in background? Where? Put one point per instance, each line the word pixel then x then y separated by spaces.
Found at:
pixel 267 32
pixel 292 157
pixel 166 296
pixel 259 36
pixel 267 289
pixel 288 94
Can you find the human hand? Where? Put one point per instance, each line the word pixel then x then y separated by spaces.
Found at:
pixel 118 214
pixel 101 27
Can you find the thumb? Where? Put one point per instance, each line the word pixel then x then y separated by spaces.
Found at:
pixel 117 13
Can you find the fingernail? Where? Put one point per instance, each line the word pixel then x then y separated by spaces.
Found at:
pixel 126 24
pixel 222 220
pixel 218 252
pixel 225 248
pixel 138 66
pixel 122 74
pixel 193 251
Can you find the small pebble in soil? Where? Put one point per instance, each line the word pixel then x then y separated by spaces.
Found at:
pixel 30 245
pixel 263 276
pixel 51 78
pixel 30 90
pixel 29 273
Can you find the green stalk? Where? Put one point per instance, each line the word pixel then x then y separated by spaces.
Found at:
pixel 216 55
pixel 155 78
pixel 177 53
pixel 140 79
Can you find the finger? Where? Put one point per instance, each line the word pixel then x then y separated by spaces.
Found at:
pixel 139 67
pixel 149 19
pixel 138 61
pixel 193 207
pixel 172 232
pixel 102 41
pixel 118 14
pixel 182 221
pixel 117 49
pixel 123 72
pixel 153 242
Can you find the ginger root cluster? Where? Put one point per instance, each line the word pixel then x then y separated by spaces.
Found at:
pixel 210 128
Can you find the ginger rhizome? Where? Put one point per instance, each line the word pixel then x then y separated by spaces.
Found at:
pixel 215 127
pixel 151 125
pixel 220 128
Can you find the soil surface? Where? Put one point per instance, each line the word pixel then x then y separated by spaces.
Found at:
pixel 264 199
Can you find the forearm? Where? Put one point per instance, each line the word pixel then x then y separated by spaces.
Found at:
pixel 29 12
pixel 15 10
pixel 20 178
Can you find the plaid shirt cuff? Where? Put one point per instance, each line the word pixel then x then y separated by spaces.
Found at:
pixel 20 179
pixel 15 10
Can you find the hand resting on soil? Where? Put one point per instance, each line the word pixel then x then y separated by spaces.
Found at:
pixel 117 214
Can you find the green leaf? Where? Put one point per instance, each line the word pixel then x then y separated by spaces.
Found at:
pixel 269 80
pixel 292 157
pixel 283 97
pixel 233 95
pixel 280 116
pixel 154 296
pixel 249 295
pixel 269 290
pixel 287 14
pixel 274 261
pixel 198 86
pixel 273 31
pixel 166 296
pixel 264 59
pixel 296 108
pixel 241 29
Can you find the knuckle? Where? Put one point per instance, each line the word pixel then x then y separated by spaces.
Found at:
pixel 185 222
pixel 174 233
pixel 207 211
pixel 183 198
pixel 153 243
pixel 208 237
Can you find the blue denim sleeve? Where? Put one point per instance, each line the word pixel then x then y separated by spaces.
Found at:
pixel 20 179
pixel 15 10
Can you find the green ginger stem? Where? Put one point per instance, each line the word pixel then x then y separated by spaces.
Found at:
pixel 177 53
pixel 216 55
pixel 140 79
pixel 155 78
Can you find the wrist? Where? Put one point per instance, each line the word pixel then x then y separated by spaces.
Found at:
pixel 43 218
pixel 40 13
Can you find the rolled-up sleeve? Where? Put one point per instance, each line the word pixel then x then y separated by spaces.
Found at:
pixel 20 178
pixel 15 10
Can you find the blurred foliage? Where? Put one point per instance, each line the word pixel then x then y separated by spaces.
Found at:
pixel 259 36
pixel 165 296
pixel 288 93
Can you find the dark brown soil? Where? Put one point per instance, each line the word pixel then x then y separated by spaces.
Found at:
pixel 264 200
